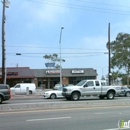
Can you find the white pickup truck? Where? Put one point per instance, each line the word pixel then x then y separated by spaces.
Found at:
pixel 91 88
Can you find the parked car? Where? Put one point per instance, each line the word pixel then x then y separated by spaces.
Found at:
pixel 125 91
pixel 53 94
pixel 4 92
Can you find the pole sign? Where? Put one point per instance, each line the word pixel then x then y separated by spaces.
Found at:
pixel 49 64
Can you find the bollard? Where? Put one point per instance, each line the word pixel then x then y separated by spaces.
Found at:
pixel 27 90
pixel 12 92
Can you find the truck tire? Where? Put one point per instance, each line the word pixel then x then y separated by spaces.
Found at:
pixel 75 96
pixel 127 94
pixel 110 95
pixel 1 99
pixel 30 92
pixel 101 97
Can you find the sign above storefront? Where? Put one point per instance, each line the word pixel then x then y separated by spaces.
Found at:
pixel 53 72
pixel 77 71
pixel 12 73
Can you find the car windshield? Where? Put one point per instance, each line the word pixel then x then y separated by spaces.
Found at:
pixel 81 83
pixel 57 88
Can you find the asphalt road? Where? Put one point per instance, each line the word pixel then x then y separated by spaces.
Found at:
pixel 65 119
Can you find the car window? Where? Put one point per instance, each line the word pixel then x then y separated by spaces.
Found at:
pixel 3 87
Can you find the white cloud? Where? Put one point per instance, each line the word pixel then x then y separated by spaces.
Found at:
pixel 94 42
pixel 45 11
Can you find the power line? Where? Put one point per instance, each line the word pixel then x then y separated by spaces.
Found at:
pixel 82 7
pixel 61 53
pixel 103 4
pixel 62 57
pixel 53 47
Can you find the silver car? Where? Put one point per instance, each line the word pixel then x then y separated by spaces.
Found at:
pixel 125 91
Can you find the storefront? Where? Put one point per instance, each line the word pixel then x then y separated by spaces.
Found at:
pixel 16 75
pixel 47 78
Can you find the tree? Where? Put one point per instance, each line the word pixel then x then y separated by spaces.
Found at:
pixel 120 49
pixel 53 59
pixel 115 76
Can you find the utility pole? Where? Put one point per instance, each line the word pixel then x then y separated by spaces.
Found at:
pixel 109 56
pixel 5 5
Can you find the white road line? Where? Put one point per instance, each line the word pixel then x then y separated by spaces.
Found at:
pixel 57 118
pixel 117 129
pixel 101 113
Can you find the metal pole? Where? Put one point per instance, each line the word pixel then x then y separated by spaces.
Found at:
pixel 60 56
pixel 109 56
pixel 3 42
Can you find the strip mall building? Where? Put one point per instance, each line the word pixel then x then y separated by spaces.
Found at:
pixel 47 78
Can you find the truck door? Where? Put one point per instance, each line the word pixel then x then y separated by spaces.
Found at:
pixel 17 89
pixel 97 88
pixel 89 88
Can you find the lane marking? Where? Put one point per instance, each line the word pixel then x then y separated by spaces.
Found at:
pixel 101 113
pixel 44 119
pixel 117 129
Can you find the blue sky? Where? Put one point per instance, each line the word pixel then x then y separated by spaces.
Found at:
pixel 33 29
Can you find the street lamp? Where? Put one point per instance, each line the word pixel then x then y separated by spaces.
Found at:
pixel 60 56
pixel 102 70
pixel 6 4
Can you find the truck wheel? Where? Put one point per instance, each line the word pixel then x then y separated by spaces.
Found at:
pixel 101 97
pixel 1 99
pixel 110 95
pixel 30 92
pixel 127 94
pixel 53 96
pixel 75 96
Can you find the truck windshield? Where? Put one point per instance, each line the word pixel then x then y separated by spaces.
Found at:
pixel 81 83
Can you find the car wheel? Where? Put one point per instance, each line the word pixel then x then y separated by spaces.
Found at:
pixel 75 96
pixel 53 96
pixel 1 99
pixel 127 94
pixel 110 95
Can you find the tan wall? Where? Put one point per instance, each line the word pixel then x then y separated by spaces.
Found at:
pixel 65 80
